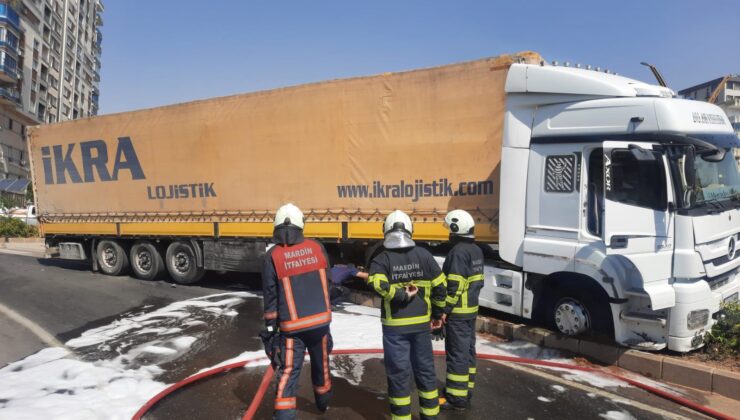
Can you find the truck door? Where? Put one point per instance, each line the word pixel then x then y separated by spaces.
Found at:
pixel 638 222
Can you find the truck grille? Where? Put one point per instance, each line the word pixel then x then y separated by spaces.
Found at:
pixel 718 282
pixel 724 259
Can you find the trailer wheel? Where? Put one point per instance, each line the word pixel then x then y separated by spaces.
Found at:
pixel 112 258
pixel 181 263
pixel 146 261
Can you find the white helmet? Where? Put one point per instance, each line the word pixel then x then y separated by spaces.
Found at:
pixel 460 222
pixel 398 220
pixel 289 214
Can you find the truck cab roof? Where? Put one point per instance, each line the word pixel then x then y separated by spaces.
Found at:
pixel 566 101
pixel 533 78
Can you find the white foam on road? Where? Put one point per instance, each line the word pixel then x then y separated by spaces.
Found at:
pixel 617 415
pixel 53 384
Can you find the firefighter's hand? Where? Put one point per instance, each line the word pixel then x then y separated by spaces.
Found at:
pixel 270 339
pixel 437 324
pixel 438 333
pixel 411 291
pixel 443 318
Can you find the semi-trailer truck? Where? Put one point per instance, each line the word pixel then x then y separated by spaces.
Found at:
pixel 603 203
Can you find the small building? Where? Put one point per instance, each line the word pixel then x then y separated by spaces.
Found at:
pixel 13 192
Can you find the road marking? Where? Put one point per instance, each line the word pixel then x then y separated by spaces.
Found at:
pixel 39 332
pixel 600 392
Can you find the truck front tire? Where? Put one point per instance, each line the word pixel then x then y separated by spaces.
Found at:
pixel 112 258
pixel 146 261
pixel 181 263
pixel 572 312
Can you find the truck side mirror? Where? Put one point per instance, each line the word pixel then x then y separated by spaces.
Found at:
pixel 714 155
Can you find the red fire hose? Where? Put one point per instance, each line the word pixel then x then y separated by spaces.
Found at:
pixel 267 378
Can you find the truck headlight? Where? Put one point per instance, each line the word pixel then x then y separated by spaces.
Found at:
pixel 697 319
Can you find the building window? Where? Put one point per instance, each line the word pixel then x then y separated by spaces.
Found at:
pixel 7 61
pixel 10 39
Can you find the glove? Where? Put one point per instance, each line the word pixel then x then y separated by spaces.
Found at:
pixel 438 334
pixel 271 341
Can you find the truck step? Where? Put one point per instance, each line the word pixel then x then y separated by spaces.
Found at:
pixel 640 317
pixel 636 291
pixel 644 345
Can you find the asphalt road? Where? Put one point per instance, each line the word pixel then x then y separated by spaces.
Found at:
pixel 64 298
pixel 60 300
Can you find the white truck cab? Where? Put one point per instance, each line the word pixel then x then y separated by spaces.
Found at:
pixel 620 208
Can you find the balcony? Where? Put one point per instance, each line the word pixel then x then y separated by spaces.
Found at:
pixel 8 15
pixel 8 73
pixel 733 103
pixel 10 96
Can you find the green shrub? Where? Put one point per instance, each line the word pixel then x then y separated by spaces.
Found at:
pixel 723 340
pixel 15 228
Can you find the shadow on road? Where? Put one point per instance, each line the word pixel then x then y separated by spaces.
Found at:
pixel 66 264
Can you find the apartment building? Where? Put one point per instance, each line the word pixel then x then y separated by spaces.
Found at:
pixel 49 70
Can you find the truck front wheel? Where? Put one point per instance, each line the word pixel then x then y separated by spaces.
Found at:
pixel 112 258
pixel 570 316
pixel 146 262
pixel 181 263
pixel 574 313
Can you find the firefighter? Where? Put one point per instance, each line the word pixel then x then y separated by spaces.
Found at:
pixel 297 311
pixel 413 290
pixel 463 269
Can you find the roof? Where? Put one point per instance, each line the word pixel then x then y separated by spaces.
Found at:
pixel 713 82
pixel 15 186
pixel 532 78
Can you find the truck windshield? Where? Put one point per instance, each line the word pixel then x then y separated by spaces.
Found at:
pixel 708 184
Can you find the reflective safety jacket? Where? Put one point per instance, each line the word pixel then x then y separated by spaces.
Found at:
pixel 464 270
pixel 390 272
pixel 295 286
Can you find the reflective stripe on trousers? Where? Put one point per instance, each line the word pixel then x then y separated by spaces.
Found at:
pixel 461 359
pixel 293 348
pixel 403 355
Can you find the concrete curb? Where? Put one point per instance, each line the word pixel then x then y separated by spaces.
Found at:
pixel 7 240
pixel 655 366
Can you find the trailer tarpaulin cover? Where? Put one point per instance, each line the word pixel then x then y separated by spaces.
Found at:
pixel 424 141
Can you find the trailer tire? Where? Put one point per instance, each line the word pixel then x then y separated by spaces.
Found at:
pixel 181 263
pixel 112 258
pixel 146 261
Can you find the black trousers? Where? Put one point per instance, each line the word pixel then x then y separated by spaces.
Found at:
pixel 292 350
pixel 404 354
pixel 461 358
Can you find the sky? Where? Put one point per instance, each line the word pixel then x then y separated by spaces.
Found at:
pixel 159 52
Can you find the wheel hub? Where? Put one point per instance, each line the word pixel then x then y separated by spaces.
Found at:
pixel 110 257
pixel 144 261
pixel 571 317
pixel 181 262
